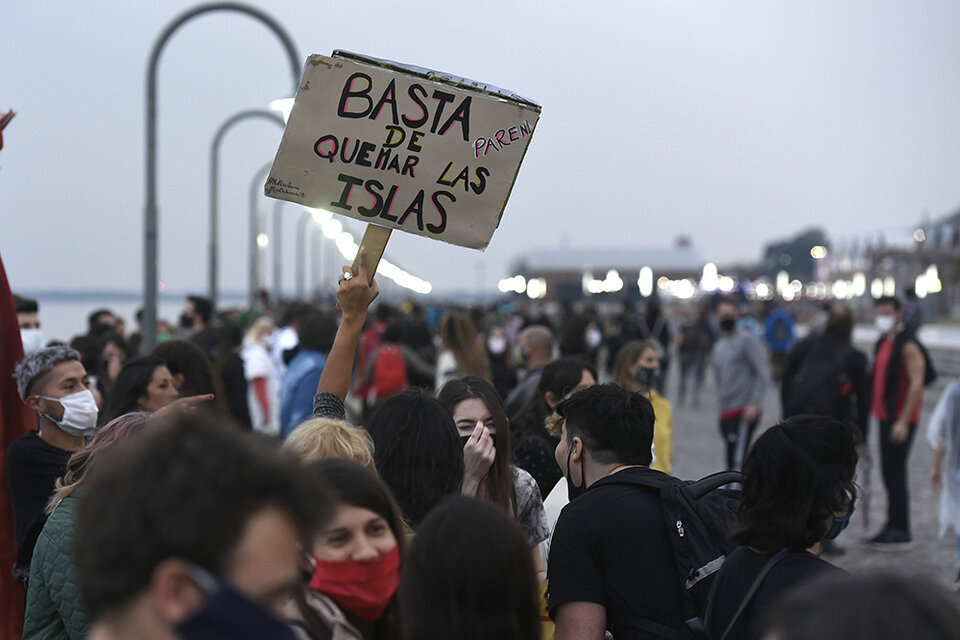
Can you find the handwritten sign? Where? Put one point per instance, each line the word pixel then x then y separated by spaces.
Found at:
pixel 403 147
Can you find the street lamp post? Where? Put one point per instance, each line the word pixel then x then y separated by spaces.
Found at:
pixel 256 188
pixel 301 253
pixel 275 252
pixel 213 257
pixel 317 257
pixel 150 210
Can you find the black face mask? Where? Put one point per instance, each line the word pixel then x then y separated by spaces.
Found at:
pixel 186 321
pixel 727 324
pixel 229 615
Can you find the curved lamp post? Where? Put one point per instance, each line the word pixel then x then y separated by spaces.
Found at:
pixel 317 256
pixel 214 254
pixel 275 252
pixel 300 251
pixel 256 188
pixel 150 195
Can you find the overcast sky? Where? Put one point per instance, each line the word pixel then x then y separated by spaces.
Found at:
pixel 731 122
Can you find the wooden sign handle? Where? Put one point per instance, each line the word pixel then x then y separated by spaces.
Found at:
pixel 375 242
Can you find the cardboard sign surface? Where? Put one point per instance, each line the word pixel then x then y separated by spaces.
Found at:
pixel 402 147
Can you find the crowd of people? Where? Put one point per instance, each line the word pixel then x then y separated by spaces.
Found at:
pixel 391 472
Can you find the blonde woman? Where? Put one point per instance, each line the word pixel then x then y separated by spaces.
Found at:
pixel 263 393
pixel 323 438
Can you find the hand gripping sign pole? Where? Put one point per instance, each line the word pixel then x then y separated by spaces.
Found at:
pixel 402 147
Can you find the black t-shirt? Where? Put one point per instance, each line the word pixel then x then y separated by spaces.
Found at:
pixel 33 466
pixel 738 574
pixel 610 547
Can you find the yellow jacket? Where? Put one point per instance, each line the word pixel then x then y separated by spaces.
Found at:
pixel 662 432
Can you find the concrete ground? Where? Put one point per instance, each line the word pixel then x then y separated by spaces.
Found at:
pixel 698 450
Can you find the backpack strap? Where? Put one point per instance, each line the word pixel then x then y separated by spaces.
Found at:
pixel 705 485
pixel 767 568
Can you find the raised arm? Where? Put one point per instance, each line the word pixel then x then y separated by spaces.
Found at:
pixel 355 296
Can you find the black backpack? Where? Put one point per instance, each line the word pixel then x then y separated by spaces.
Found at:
pixel 699 517
pixel 820 385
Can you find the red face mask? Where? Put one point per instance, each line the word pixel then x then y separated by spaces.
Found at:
pixel 365 589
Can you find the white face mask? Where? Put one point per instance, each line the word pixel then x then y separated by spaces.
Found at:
pixel 497 344
pixel 884 324
pixel 594 338
pixel 79 413
pixel 32 340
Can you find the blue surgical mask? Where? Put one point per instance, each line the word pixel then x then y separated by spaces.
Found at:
pixel 228 614
pixel 839 524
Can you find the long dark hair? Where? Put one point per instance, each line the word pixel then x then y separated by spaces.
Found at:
pixel 131 385
pixel 560 377
pixel 469 575
pixel 346 482
pixel 186 359
pixel 458 334
pixel 417 451
pixel 498 484
pixel 797 475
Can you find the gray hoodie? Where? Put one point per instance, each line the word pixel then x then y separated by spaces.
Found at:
pixel 740 365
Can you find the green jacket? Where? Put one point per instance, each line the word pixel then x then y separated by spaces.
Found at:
pixel 54 611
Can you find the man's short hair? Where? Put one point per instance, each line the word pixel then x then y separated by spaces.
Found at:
pixel 202 307
pixel 891 300
pixel 25 305
pixel 539 338
pixel 184 489
pixel 616 425
pixel 317 331
pixel 37 365
pixel 95 319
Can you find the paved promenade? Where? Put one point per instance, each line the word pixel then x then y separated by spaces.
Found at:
pixel 698 450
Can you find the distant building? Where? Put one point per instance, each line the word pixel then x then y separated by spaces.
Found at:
pixel 571 274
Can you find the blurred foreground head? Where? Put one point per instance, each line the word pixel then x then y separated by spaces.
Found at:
pixel 191 521
pixel 873 606
pixel 469 575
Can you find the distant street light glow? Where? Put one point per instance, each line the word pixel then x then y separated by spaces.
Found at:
pixel 645 282
pixel 347 246
pixel 536 288
pixel 708 281
pixel 818 252
pixel 262 240
pixel 889 286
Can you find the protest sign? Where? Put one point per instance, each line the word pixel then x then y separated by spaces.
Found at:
pixel 402 147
